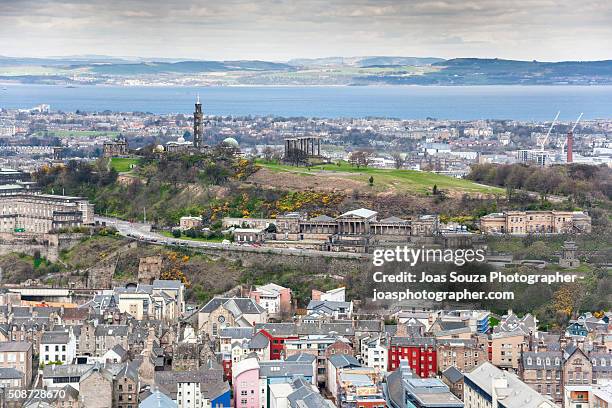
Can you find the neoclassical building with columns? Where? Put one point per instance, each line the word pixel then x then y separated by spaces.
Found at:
pixel 353 231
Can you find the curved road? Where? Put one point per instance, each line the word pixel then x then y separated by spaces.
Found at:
pixel 142 232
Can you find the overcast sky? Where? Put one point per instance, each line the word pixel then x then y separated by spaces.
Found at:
pixel 279 30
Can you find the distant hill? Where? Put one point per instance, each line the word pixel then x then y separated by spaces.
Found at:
pixel 186 67
pixel 363 61
pixel 364 70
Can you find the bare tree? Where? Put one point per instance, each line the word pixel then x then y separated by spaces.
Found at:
pixel 398 160
pixel 360 158
pixel 268 153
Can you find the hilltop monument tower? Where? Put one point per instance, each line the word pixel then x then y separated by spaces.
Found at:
pixel 198 130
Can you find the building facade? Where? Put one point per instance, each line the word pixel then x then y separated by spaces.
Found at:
pixel 43 213
pixel 536 222
pixel 420 353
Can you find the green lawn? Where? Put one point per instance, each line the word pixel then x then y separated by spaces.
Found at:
pixel 123 164
pixel 410 180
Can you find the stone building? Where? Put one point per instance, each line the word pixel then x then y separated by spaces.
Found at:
pixel 220 312
pixel 180 145
pixel 542 371
pixel 18 356
pixel 354 231
pixel 115 148
pixel 189 222
pixel 96 388
pixel 43 213
pixel 454 379
pixel 126 387
pixel 568 257
pixel 536 222
pixel 462 354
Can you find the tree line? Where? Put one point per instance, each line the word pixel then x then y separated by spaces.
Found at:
pixel 583 183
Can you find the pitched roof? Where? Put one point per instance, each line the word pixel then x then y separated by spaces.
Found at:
pixel 452 374
pixel 344 360
pixel 236 306
pixel 15 346
pixel 10 374
pixel 516 395
pixel 157 400
pixel 55 338
pixel 361 213
pixel 259 341
pixel 278 329
pixel 302 358
pixel 322 218
pixel 284 368
pixel 236 332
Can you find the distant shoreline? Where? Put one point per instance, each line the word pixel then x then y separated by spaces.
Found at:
pixel 382 85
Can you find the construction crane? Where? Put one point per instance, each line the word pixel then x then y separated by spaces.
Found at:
pixel 541 141
pixel 569 142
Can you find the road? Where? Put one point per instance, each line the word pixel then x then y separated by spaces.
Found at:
pixel 142 232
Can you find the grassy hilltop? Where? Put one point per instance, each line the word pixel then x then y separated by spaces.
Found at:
pixel 385 179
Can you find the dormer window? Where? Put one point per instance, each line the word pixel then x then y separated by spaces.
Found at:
pixel 539 361
pixel 548 361
pixel 529 361
pixel 603 362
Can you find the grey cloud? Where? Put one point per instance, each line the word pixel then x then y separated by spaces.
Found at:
pixel 282 29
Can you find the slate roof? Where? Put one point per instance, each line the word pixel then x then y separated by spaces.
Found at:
pixel 452 374
pixel 278 329
pixel 211 381
pixel 236 332
pixel 395 391
pixel 342 328
pixel 280 368
pixel 65 370
pixel 344 360
pixel 55 338
pixel 111 330
pixel 10 374
pixel 305 396
pixel 237 306
pixel 259 341
pixel 391 329
pixel 547 360
pixel 15 346
pixel 120 351
pixel 302 358
pixel 521 395
pixel 327 304
pixel 512 324
pixel 167 284
pixel 413 341
pixel 157 400
pixel 368 325
pixel 598 358
pixel 451 325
